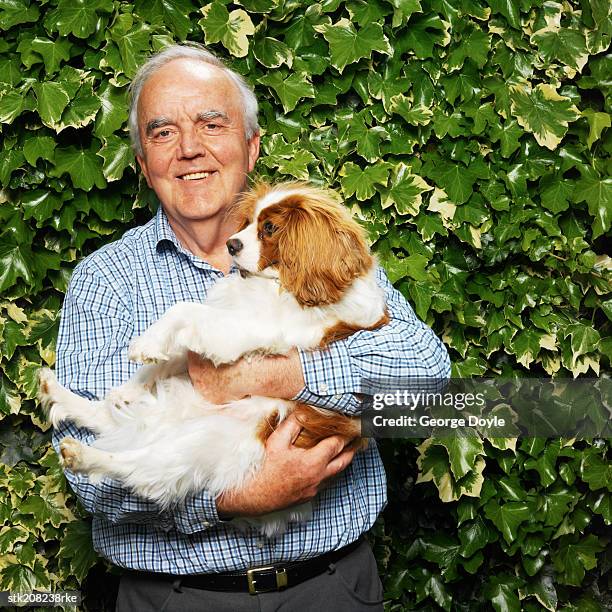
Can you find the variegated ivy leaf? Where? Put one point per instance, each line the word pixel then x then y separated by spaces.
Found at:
pixel 565 45
pixel 272 53
pixel 52 98
pixel 404 192
pixel 230 29
pixel 360 182
pixel 348 45
pixel 543 112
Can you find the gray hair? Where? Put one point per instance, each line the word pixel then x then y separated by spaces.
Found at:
pixel 193 51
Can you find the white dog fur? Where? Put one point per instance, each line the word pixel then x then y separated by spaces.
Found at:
pixel 155 433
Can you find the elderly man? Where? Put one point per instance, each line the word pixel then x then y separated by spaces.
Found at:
pixel 194 128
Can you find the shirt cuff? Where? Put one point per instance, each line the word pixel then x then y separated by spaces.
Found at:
pixel 197 513
pixel 330 381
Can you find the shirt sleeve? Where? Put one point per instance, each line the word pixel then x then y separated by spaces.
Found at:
pixel 403 349
pixel 95 329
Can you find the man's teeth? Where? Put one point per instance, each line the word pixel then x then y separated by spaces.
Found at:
pixel 195 175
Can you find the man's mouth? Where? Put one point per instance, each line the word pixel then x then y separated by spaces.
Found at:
pixel 194 176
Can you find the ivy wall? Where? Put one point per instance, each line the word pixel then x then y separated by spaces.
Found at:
pixel 472 139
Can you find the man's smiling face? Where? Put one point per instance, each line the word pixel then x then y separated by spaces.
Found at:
pixel 195 153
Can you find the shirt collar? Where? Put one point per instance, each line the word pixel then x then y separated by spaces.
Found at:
pixel 164 234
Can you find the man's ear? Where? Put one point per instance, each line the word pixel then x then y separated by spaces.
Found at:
pixel 143 166
pixel 253 146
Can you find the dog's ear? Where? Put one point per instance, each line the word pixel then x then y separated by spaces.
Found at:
pixel 243 210
pixel 321 251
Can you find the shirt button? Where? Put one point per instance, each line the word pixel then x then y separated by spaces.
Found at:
pixel 323 388
pixel 337 398
pixel 205 524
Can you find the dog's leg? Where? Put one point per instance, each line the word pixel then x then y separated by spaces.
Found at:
pixel 63 405
pixel 159 342
pixel 147 375
pixel 97 463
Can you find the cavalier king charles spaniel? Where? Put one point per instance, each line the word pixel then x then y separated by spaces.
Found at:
pixel 306 279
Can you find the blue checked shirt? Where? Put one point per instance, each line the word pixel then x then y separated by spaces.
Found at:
pixel 114 295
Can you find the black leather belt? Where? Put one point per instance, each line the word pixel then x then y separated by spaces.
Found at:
pixel 257 579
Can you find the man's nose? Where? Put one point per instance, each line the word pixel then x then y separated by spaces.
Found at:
pixel 234 245
pixel 191 144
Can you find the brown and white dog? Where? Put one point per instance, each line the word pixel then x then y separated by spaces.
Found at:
pixel 307 279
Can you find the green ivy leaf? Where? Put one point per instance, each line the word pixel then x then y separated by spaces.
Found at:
pixel 132 40
pixel 113 110
pixel 82 165
pixel 348 45
pixel 117 155
pixel 361 183
pixel 40 204
pixel 15 12
pixel 12 104
pixel 230 29
pixel 172 13
pixel 78 17
pixel 543 112
pixel 53 52
pixel 507 517
pixel 563 44
pixel 405 192
pixel 474 44
pixel 10 401
pixel 21 578
pixel 597 193
pixel 52 100
pixel 598 122
pixel 82 109
pixel 462 453
pixel 289 89
pixel 573 559
pixel 509 9
pixel 77 548
pixel 38 147
pixel 16 261
pixel 272 53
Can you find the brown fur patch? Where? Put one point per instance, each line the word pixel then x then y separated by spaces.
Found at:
pixel 318 248
pixel 267 426
pixel 344 330
pixel 318 424
pixel 244 208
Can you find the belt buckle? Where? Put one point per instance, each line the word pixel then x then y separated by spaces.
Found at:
pixel 281 579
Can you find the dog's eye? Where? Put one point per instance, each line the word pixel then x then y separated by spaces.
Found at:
pixel 268 228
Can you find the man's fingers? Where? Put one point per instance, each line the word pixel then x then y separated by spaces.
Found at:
pixel 286 433
pixel 331 447
pixel 339 462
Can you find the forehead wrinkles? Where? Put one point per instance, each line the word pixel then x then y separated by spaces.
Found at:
pixel 186 83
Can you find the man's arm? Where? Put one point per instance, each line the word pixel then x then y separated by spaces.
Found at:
pixel 96 327
pixel 334 377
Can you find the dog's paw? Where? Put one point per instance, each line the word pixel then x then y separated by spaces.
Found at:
pixel 71 454
pixel 47 388
pixel 121 397
pixel 145 350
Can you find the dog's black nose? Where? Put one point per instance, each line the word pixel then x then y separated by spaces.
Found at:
pixel 234 246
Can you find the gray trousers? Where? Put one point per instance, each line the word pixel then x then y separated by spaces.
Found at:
pixel 350 585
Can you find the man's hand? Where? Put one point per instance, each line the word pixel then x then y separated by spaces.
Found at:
pixel 289 475
pixel 273 376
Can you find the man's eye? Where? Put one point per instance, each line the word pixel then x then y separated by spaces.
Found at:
pixel 163 134
pixel 211 127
